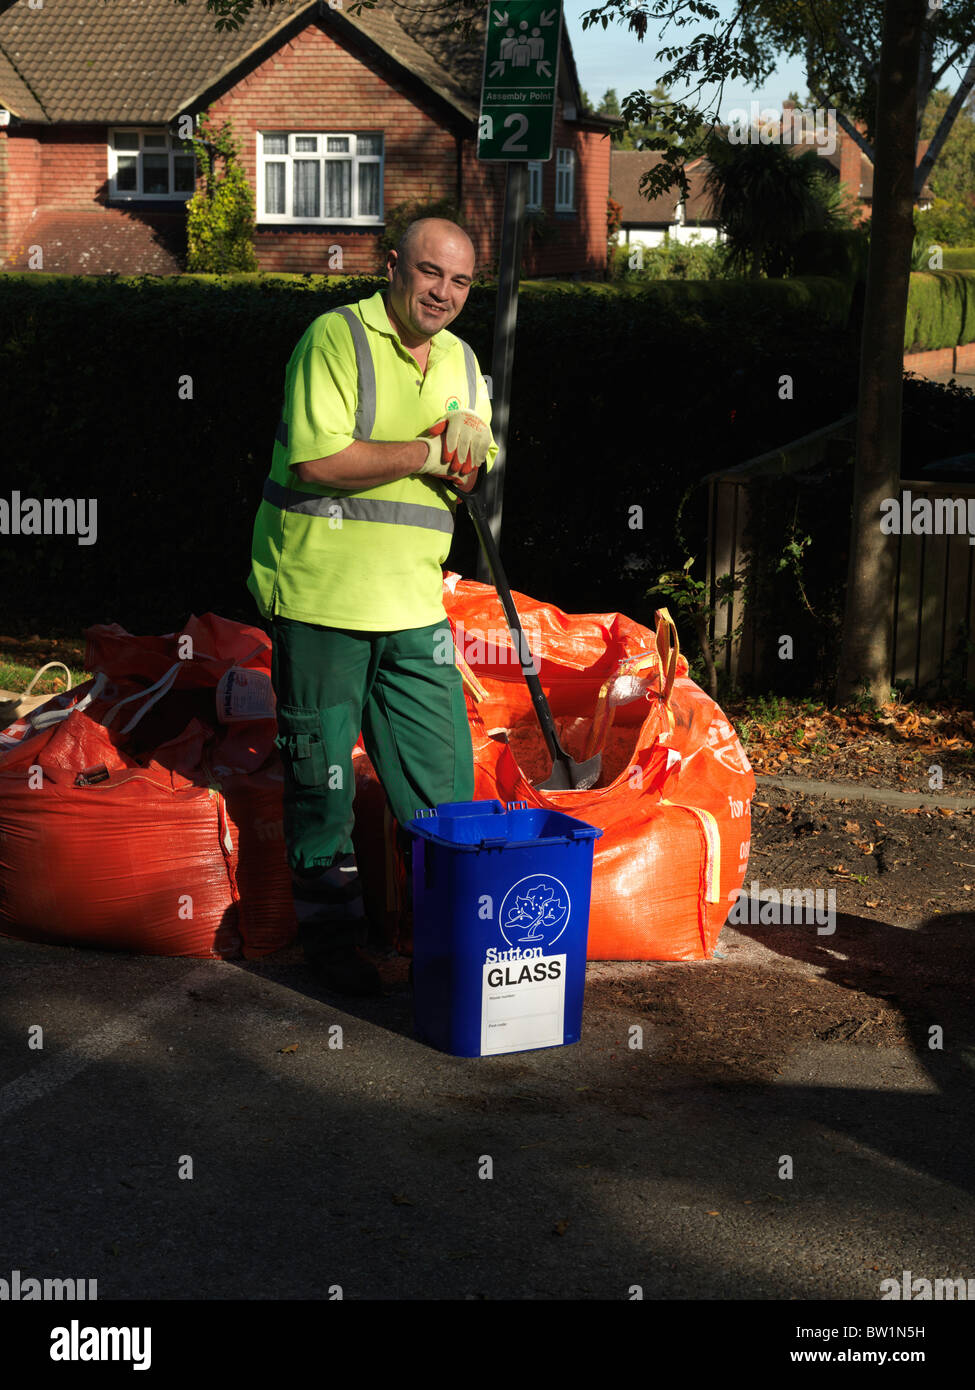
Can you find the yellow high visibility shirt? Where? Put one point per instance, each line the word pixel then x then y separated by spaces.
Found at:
pixel 370 560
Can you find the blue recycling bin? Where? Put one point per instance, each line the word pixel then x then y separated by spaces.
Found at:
pixel 500 926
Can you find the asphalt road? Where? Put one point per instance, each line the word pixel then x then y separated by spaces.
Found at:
pixel 399 1173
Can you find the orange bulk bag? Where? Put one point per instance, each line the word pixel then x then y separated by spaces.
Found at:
pixel 673 799
pixel 132 818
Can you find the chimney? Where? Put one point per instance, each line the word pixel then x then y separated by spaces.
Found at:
pixel 850 163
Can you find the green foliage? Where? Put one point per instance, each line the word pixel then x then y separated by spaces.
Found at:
pixel 767 199
pixel 838 252
pixel 207 458
pixel 693 599
pixel 811 297
pixel 951 177
pixel 220 216
pixel 946 223
pixel 839 44
pixel 674 260
pixel 940 310
pixel 959 258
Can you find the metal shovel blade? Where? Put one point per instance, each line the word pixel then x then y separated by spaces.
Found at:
pixel 568 775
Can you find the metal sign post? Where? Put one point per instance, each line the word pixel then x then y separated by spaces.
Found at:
pixel 517 116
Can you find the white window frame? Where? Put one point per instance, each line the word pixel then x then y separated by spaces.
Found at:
pixel 565 180
pixel 535 173
pixel 287 218
pixel 174 146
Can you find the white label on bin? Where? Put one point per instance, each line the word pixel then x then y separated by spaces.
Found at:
pixel 523 1004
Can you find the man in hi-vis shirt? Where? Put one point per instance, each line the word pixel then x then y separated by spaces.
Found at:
pixel 382 405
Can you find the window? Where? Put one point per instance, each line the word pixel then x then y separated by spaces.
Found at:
pixel 150 164
pixel 534 197
pixel 320 178
pixel 565 180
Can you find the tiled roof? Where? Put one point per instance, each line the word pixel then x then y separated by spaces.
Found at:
pixel 148 60
pixel 15 94
pixel 102 240
pixel 626 168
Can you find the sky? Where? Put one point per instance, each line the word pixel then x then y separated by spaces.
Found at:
pixel 614 57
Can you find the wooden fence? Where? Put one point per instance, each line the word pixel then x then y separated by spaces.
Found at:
pixel 935 585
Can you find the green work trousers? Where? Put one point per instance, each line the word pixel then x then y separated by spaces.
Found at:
pixel 404 692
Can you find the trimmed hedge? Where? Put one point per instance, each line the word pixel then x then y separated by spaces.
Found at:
pixel 621 400
pixel 958 258
pixel 940 310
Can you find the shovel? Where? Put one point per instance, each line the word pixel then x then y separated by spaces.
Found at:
pixel 566 774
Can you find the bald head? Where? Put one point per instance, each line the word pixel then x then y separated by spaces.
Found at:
pixel 431 233
pixel 430 274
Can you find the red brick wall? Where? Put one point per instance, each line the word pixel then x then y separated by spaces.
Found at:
pixel 74 166
pixel 565 243
pixel 314 83
pixel 571 243
pixel 20 162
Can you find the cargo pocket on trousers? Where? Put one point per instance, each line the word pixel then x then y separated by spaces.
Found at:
pixel 300 743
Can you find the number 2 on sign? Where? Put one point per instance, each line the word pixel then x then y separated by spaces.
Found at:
pixel 509 144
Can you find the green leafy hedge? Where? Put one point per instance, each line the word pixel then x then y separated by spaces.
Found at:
pixel 160 399
pixel 959 258
pixel 940 310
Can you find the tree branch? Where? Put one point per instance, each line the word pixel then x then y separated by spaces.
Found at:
pixel 925 79
pixel 846 124
pixel 944 128
pixel 949 63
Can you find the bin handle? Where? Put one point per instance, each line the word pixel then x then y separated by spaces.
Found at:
pixel 517 805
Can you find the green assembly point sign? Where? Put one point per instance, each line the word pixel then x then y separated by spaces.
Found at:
pixel 521 72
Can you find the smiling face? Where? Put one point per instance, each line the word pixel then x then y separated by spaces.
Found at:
pixel 429 279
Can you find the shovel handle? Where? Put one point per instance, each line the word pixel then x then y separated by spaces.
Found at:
pixel 475 509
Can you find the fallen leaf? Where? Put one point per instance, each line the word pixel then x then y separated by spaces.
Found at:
pixel 851 827
pixel 874 903
pixel 292 1048
pixel 561 1227
pixel 402 1201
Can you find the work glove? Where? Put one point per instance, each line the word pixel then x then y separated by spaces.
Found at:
pixel 457 445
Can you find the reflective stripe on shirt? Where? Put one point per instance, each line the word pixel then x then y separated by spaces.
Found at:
pixel 357 508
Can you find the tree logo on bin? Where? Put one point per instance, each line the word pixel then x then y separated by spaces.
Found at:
pixel 535 911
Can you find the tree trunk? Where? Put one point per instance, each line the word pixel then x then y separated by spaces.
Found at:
pixel 868 622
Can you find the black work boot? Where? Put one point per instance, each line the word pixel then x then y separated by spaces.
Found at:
pixel 332 927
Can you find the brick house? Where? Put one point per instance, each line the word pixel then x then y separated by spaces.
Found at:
pixel 852 169
pixel 668 217
pixel 339 118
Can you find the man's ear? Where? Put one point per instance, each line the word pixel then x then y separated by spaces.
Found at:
pixel 391 259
